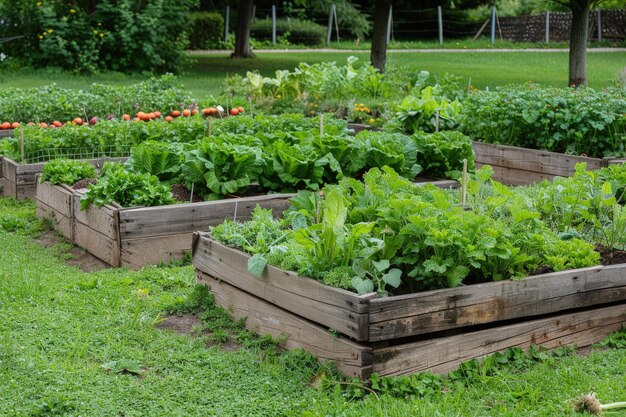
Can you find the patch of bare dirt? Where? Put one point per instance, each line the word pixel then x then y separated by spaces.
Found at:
pixel 184 324
pixel 72 255
pixel 84 183
pixel 180 193
pixel 180 324
pixel 611 256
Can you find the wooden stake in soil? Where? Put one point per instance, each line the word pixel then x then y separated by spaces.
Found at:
pixel 321 124
pixel 22 144
pixel 191 196
pixel 464 184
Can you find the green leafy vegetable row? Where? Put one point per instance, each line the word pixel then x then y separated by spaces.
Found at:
pixel 51 102
pixel 575 121
pixel 386 235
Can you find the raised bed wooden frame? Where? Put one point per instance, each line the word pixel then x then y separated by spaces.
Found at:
pixel 521 166
pixel 432 330
pixel 140 236
pixel 19 179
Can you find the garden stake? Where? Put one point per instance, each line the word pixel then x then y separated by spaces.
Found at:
pixel 191 196
pixel 591 404
pixel 437 121
pixel 469 85
pixel 250 105
pixel 209 127
pixel 235 214
pixel 464 185
pixel 321 124
pixel 22 144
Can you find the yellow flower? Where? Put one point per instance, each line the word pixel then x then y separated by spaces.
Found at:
pixel 372 120
pixel 40 37
pixel 72 11
pixel 39 3
pixel 102 35
pixel 50 31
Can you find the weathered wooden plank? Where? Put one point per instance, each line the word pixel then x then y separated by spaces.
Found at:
pixel 189 218
pixel 6 133
pixel 10 190
pixel 58 198
pixel 2 182
pixel 136 253
pixel 433 311
pixel 262 317
pixel 100 219
pixel 548 163
pixel 8 169
pixel 60 222
pixel 616 161
pixel 101 246
pixel 1 169
pixel 26 191
pixel 446 353
pixel 335 308
pixel 513 176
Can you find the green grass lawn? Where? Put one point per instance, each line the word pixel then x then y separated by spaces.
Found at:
pixel 60 325
pixel 205 74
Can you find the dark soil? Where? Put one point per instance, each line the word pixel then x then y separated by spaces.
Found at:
pixel 184 324
pixel 180 324
pixel 73 256
pixel 610 256
pixel 182 194
pixel 84 183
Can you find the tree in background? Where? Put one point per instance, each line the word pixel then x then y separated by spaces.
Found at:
pixel 242 31
pixel 578 39
pixel 378 54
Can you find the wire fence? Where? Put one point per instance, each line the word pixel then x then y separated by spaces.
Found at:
pixel 434 23
pixel 50 154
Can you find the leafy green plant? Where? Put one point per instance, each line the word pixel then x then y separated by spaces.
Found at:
pixel 441 154
pixel 574 121
pixel 419 113
pixel 162 160
pixel 221 167
pixel 65 171
pixel 127 189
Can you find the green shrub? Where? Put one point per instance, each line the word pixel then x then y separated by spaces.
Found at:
pixel 122 35
pixel 295 31
pixel 207 29
pixel 574 121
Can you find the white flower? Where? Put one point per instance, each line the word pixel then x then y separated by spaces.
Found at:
pixel 221 109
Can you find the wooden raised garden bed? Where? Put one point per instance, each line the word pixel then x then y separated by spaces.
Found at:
pixel 433 330
pixel 19 179
pixel 140 236
pixel 521 166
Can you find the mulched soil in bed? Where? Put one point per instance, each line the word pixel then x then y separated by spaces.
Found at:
pixel 611 256
pixel 182 194
pixel 84 183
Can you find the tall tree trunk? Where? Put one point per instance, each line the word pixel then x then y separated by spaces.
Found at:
pixel 242 32
pixel 578 42
pixel 379 34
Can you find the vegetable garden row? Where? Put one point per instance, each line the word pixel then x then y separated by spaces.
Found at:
pixel 312 231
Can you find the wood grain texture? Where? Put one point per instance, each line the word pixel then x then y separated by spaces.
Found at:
pixel 101 246
pixel 10 190
pixel 100 219
pixel 8 169
pixel 188 218
pixel 264 318
pixel 2 182
pixel 334 308
pixel 26 191
pixel 447 353
pixel 137 253
pixel 57 197
pixel 517 166
pixel 438 310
